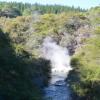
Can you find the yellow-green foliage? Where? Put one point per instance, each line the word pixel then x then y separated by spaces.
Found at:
pixel 52 23
pixel 87 64
pixel 94 15
pixel 16 26
pixel 97 30
pixel 46 25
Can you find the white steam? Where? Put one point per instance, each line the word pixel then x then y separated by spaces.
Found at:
pixel 59 57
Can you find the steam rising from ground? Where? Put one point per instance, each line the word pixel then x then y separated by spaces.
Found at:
pixel 59 57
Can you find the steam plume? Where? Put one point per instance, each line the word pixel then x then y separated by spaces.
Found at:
pixel 59 57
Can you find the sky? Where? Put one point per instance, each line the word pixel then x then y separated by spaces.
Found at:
pixel 77 3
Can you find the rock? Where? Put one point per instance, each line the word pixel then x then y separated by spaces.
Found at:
pixel 10 12
pixel 60 83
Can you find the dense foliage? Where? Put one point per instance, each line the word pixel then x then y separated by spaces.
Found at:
pixel 86 62
pixel 18 70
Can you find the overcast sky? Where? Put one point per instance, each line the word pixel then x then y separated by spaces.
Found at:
pixel 82 3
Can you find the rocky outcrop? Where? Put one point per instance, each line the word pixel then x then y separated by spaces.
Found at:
pixel 79 37
pixel 11 13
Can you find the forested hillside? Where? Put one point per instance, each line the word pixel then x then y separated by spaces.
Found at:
pixel 28 9
pixel 23 71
